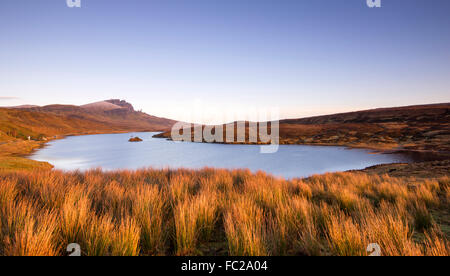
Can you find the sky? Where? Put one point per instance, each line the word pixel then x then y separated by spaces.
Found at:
pixel 176 58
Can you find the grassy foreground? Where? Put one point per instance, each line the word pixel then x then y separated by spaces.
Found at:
pixel 220 212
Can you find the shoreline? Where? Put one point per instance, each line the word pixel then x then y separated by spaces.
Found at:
pixel 424 156
pixel 416 154
pixel 19 158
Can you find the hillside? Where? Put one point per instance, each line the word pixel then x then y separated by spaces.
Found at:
pixel 424 127
pixel 101 117
pixel 54 121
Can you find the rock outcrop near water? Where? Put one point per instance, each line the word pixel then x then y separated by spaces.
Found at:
pixel 135 139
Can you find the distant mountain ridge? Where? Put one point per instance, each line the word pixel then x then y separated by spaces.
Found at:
pixel 378 115
pixel 101 117
pixel 101 106
pixel 21 106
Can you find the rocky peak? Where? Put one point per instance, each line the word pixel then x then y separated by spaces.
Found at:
pixel 121 103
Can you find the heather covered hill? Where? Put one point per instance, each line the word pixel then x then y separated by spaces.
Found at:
pixel 423 127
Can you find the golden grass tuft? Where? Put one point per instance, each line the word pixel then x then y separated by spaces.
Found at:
pixel 195 220
pixel 245 227
pixel 149 207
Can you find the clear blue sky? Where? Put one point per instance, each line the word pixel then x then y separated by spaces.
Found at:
pixel 167 57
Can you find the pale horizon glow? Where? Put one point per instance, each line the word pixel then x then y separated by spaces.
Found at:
pixel 306 58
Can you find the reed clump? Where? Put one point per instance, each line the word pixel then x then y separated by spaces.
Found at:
pixel 221 212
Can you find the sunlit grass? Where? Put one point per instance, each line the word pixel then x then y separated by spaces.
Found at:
pixel 188 212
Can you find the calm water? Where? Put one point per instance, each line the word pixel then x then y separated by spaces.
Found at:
pixel 113 151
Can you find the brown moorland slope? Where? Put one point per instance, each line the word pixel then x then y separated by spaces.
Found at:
pixel 422 128
pixel 51 120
